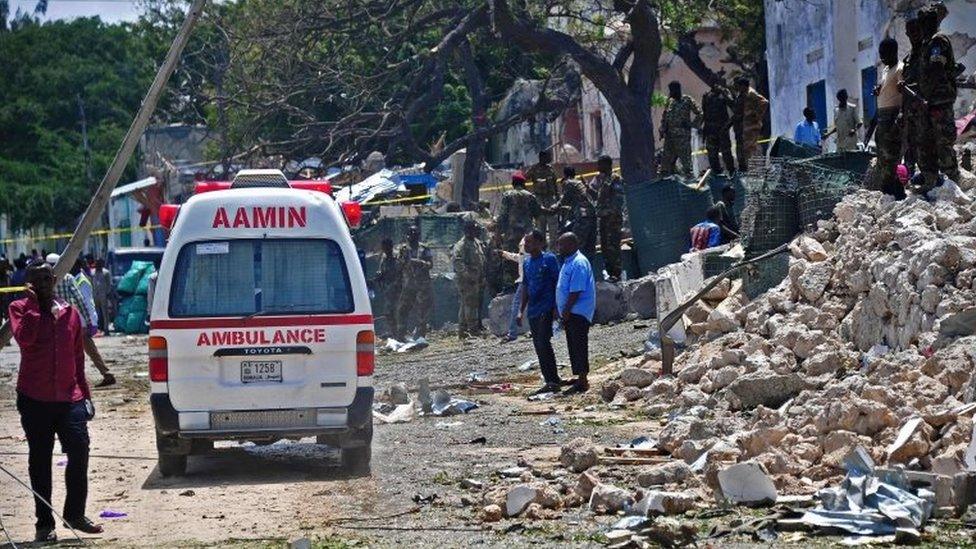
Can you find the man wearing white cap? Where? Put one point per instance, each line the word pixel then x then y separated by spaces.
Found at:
pixel 67 289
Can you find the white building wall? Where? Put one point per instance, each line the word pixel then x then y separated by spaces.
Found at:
pixel 834 40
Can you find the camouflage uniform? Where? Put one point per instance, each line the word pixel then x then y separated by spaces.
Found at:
pixel 750 110
pixel 544 187
pixel 680 116
pixel 937 85
pixel 716 107
pixel 415 293
pixel 609 211
pixel 516 216
pixel 468 258
pixel 578 201
pixel 388 282
pixel 912 109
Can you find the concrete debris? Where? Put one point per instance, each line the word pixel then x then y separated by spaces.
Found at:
pixel 578 455
pixel 610 303
pixel 668 473
pixel 491 513
pixel 519 498
pixel 609 499
pixel 637 377
pixel 748 483
pixel 640 296
pixel 656 502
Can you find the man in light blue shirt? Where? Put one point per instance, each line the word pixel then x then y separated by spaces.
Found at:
pixel 808 131
pixel 576 301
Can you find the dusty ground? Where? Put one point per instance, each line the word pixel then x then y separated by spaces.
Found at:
pixel 294 490
pixel 267 496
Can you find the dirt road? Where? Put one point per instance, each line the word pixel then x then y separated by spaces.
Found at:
pixel 290 490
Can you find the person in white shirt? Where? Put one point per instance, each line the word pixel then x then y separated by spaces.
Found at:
pixel 846 123
pixel 888 133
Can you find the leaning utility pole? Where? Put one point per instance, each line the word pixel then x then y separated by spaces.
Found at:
pixel 122 156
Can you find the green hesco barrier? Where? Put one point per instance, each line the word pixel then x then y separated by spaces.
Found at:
pixel 784 147
pixel 661 214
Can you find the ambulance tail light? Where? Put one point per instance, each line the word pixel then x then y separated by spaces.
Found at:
pixel 353 212
pixel 365 349
pixel 158 359
pixel 167 215
pixel 208 186
pixel 320 186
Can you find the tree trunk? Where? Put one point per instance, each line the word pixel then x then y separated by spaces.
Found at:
pixel 471 178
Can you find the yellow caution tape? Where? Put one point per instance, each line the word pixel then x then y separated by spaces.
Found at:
pixel 12 289
pixel 69 235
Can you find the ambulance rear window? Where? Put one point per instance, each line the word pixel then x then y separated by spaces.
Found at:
pixel 263 277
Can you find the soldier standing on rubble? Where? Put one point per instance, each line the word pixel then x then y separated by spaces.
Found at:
pixel 577 200
pixel 468 259
pixel 749 112
pixel 716 107
pixel 544 187
pixel 415 262
pixel 681 115
pixel 911 106
pixel 517 213
pixel 387 281
pixel 937 72
pixel 610 214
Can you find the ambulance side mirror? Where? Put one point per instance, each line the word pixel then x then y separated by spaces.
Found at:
pixel 167 215
pixel 353 212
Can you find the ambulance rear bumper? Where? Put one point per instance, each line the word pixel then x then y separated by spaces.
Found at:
pixel 230 424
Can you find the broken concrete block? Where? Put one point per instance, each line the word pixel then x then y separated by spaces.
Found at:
pixel 610 304
pixel 770 390
pixel 578 455
pixel 585 484
pixel 667 473
pixel 656 502
pixel 814 280
pixel 499 315
pixel 637 377
pixel 747 483
pixel 804 247
pixel 609 499
pixel 641 296
pixel 518 498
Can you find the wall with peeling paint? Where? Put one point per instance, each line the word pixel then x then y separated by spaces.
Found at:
pixel 812 40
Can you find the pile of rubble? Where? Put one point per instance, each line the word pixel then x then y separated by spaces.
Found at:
pixel 872 327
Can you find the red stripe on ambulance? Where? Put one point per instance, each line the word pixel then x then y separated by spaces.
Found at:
pixel 272 217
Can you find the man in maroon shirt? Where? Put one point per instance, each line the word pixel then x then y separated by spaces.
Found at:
pixel 53 397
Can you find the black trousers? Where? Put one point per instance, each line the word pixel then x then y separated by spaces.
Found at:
pixel 578 340
pixel 541 327
pixel 69 421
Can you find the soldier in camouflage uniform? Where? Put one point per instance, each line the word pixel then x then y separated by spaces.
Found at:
pixel 415 261
pixel 544 186
pixel 517 214
pixel 937 87
pixel 749 111
pixel 912 108
pixel 578 201
pixel 610 213
pixel 468 259
pixel 681 114
pixel 387 281
pixel 716 110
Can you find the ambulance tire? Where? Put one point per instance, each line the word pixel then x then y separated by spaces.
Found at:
pixel 357 456
pixel 172 465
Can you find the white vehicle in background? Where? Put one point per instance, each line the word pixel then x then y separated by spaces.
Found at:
pixel 261 325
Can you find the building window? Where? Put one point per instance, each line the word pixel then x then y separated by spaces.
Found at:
pixel 596 119
pixel 869 78
pixel 817 100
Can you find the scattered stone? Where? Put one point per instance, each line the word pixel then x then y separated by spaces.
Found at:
pixel 585 484
pixel 491 513
pixel 653 502
pixel 672 472
pixel 578 455
pixel 748 483
pixel 518 498
pixel 472 484
pixel 609 499
pixel 770 390
pixel 637 377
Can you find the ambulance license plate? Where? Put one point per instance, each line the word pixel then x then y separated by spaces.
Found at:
pixel 255 371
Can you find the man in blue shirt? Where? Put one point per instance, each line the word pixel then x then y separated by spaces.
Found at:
pixel 808 131
pixel 540 272
pixel 576 301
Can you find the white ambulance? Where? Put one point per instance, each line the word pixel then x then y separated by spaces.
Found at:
pixel 260 324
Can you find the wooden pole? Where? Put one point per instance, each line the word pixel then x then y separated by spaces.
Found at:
pixel 122 156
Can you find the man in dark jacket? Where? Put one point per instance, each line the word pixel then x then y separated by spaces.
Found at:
pixel 53 397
